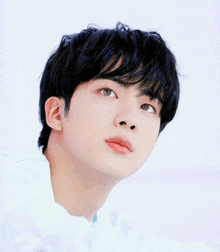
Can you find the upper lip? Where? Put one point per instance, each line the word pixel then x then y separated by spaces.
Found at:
pixel 120 141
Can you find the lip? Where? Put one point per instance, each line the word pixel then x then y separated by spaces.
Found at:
pixel 119 144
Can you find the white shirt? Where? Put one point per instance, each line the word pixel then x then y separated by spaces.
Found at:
pixel 30 220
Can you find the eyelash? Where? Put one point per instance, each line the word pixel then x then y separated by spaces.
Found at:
pixel 107 89
pixel 151 107
pixel 148 106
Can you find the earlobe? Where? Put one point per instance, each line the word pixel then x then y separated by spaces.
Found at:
pixel 53 111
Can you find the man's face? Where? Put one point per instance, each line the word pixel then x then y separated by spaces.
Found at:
pixel 101 110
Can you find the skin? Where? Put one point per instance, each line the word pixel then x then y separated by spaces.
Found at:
pixel 84 169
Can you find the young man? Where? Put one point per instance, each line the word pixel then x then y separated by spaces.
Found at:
pixel 105 96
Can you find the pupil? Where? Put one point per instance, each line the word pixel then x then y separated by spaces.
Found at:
pixel 107 91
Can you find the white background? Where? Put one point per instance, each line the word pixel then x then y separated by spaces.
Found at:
pixel 180 181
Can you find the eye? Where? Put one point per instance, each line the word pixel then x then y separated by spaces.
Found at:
pixel 107 92
pixel 148 108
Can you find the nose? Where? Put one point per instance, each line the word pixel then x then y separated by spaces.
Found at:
pixel 132 127
pixel 126 116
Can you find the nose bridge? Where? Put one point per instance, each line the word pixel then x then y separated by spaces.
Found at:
pixel 127 108
pixel 126 114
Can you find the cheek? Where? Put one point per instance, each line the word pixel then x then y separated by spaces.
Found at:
pixel 149 137
pixel 74 127
pixel 86 125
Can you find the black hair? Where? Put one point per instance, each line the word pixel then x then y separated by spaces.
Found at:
pixel 93 53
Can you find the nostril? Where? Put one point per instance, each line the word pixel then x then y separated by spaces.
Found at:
pixel 121 123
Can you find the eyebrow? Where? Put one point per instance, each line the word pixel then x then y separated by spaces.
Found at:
pixel 148 92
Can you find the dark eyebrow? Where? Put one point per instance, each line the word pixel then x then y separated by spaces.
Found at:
pixel 148 92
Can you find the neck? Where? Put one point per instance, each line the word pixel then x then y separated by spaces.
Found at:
pixel 80 189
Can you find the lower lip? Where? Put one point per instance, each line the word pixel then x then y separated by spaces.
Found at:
pixel 118 148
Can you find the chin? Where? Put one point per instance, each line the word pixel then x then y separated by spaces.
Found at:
pixel 117 173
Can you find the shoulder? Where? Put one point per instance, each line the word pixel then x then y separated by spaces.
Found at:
pixel 21 187
pixel 22 181
pixel 116 231
pixel 21 177
pixel 152 243
pixel 30 220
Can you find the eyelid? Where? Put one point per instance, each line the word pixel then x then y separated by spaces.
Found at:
pixel 154 109
pixel 108 89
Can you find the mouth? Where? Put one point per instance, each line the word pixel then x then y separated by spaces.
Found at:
pixel 119 145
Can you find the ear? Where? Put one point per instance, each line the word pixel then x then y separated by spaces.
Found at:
pixel 54 108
